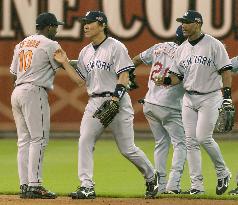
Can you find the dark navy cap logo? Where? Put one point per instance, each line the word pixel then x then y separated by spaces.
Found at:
pixel 191 16
pixel 92 16
pixel 47 19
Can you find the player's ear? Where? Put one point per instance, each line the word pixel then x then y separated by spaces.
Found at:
pixel 47 28
pixel 104 25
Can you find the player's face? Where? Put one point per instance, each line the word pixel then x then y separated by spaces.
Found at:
pixel 190 29
pixel 92 29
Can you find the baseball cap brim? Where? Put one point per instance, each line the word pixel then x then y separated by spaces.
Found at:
pixel 60 23
pixel 184 20
pixel 86 20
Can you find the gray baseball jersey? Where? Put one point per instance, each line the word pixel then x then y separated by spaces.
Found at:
pixel 100 68
pixel 199 65
pixel 162 109
pixel 160 56
pixel 34 68
pixel 33 61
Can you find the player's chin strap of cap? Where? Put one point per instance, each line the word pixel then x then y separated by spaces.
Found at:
pixel 119 92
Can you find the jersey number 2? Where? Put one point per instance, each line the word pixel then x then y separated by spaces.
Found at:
pixel 25 58
pixel 158 69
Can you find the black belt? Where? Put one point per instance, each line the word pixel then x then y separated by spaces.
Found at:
pixel 193 92
pixel 29 83
pixel 103 94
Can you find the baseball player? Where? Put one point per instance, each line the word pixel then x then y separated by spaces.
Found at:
pixel 234 62
pixel 34 69
pixel 203 65
pixel 162 109
pixel 103 65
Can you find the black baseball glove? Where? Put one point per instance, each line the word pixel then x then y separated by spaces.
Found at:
pixel 106 112
pixel 226 117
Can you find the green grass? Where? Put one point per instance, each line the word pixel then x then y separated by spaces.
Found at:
pixel 114 175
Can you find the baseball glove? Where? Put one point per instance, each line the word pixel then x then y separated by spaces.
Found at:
pixel 132 80
pixel 226 118
pixel 106 112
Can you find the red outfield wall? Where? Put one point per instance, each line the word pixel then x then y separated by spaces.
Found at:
pixel 137 23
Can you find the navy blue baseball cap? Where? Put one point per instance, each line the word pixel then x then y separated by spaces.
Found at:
pixel 191 16
pixel 47 19
pixel 92 16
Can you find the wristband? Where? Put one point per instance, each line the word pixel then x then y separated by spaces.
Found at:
pixel 120 90
pixel 227 93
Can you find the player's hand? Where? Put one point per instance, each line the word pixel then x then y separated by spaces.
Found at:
pixel 159 80
pixel 60 56
pixel 115 99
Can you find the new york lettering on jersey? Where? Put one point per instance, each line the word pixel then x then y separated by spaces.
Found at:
pixel 98 64
pixel 197 59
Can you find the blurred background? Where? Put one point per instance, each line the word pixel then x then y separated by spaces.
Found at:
pixel 137 23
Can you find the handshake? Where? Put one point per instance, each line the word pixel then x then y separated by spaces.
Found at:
pixel 172 79
pixel 162 80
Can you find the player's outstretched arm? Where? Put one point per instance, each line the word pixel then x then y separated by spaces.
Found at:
pixel 137 60
pixel 61 57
